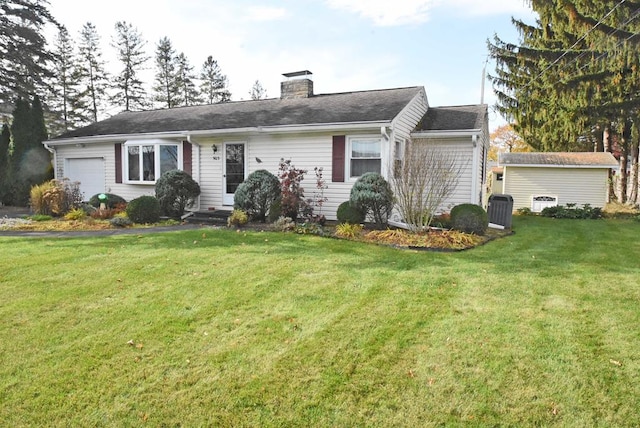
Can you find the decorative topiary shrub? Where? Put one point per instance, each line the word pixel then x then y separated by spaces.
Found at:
pixel 469 218
pixel 347 213
pixel 372 195
pixel 176 191
pixel 145 209
pixel 112 200
pixel 256 194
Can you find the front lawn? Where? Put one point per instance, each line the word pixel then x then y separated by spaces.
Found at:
pixel 225 328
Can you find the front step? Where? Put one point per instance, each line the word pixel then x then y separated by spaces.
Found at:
pixel 214 217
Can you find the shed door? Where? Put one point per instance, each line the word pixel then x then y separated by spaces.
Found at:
pixel 89 172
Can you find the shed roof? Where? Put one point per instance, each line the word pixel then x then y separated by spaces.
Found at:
pixel 448 118
pixel 340 108
pixel 560 159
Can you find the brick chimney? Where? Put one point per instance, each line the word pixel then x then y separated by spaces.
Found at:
pixel 297 85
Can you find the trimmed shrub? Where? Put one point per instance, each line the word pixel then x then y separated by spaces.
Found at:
pixel 469 218
pixel 275 210
pixel 372 195
pixel 112 200
pixel 237 218
pixel 256 194
pixel 176 191
pixel 347 213
pixel 145 209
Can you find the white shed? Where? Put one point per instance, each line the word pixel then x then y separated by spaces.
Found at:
pixel 539 180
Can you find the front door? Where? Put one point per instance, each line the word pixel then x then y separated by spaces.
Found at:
pixel 234 170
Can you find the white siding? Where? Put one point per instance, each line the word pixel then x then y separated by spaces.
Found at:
pixel 405 123
pixel 462 147
pixel 570 185
pixel 306 151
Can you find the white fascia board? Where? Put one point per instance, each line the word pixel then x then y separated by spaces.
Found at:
pixel 538 165
pixel 321 127
pixel 446 134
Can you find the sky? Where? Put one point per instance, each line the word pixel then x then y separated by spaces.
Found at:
pixel 348 45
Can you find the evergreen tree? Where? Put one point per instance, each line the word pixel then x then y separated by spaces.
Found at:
pixel 574 75
pixel 213 84
pixel 257 92
pixel 24 56
pixel 92 74
pixel 130 93
pixel 65 101
pixel 166 88
pixel 189 94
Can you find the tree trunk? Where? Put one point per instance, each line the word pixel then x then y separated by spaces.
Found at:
pixel 624 161
pixel 633 181
pixel 606 142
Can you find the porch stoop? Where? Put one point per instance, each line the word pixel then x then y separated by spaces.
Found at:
pixel 215 217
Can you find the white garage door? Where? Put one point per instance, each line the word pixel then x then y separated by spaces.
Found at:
pixel 89 172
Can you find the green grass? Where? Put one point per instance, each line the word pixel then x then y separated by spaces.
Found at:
pixel 267 329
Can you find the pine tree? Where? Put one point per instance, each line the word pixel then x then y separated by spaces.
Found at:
pixel 91 72
pixel 574 75
pixel 24 56
pixel 65 101
pixel 189 94
pixel 214 83
pixel 166 88
pixel 257 92
pixel 130 93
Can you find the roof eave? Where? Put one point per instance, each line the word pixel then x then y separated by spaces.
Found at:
pixel 542 165
pixel 280 129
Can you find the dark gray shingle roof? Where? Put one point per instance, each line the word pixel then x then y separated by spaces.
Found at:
pixel 453 118
pixel 577 159
pixel 365 106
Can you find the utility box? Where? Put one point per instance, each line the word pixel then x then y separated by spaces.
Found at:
pixel 500 211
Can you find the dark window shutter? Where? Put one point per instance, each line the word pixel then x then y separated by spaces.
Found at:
pixel 337 164
pixel 118 148
pixel 187 157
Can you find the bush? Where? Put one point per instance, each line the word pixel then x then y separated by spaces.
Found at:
pixel 347 213
pixel 145 209
pixel 120 220
pixel 256 194
pixel 348 230
pixel 55 197
pixel 292 202
pixel 442 221
pixel 469 218
pixel 176 191
pixel 237 218
pixel 284 224
pixel 112 200
pixel 372 195
pixel 572 212
pixel 275 211
pixel 75 214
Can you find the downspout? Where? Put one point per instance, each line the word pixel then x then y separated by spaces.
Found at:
pixel 474 171
pixel 197 167
pixel 54 152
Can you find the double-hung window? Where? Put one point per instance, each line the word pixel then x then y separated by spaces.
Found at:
pixel 365 155
pixel 146 161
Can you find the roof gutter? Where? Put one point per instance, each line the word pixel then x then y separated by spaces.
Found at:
pixel 321 127
pixel 54 152
pixel 447 134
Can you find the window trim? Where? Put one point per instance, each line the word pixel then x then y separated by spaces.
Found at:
pixel 156 158
pixel 349 151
